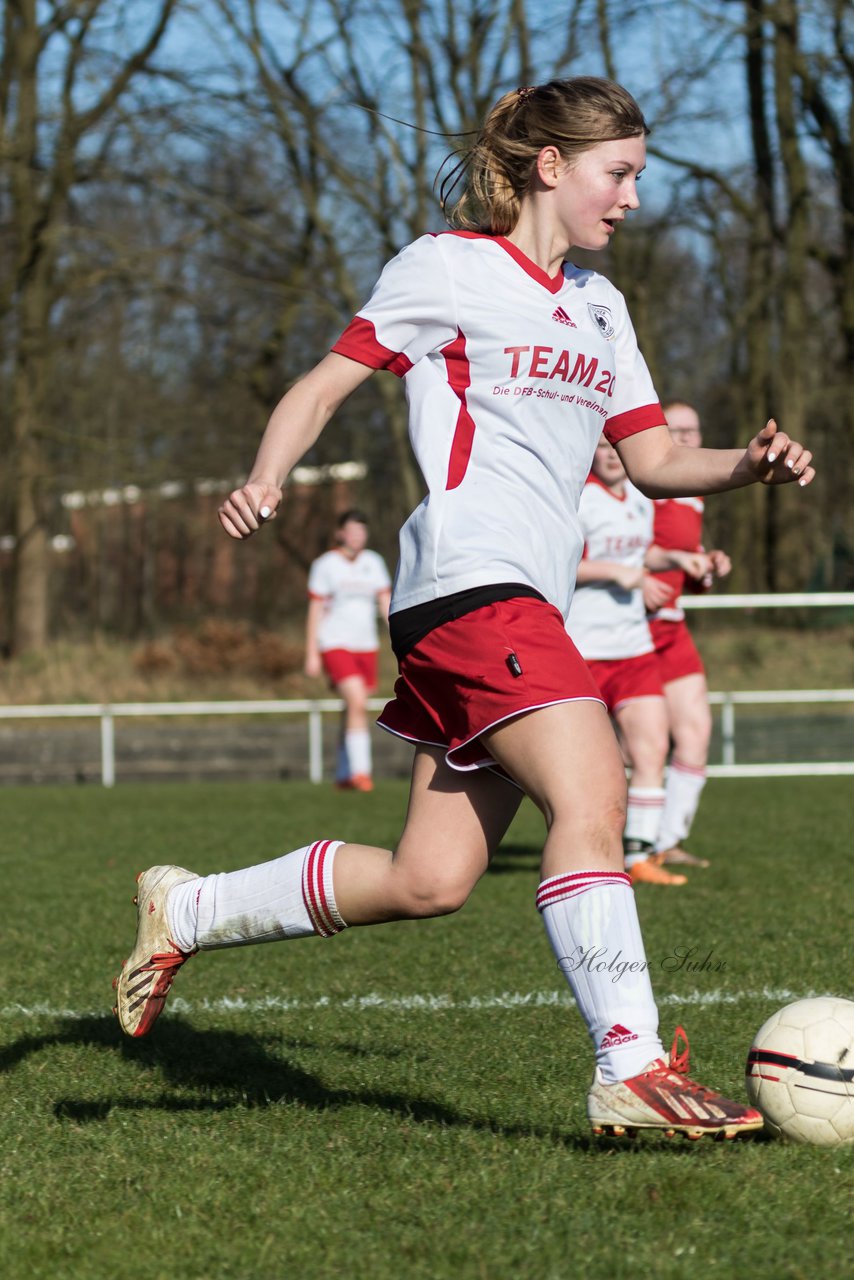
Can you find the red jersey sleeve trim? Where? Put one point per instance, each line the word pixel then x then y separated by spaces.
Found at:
pixel 359 342
pixel 315 595
pixel 635 420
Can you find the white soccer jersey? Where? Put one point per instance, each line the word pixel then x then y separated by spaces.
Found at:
pixel 511 377
pixel 349 590
pixel 606 622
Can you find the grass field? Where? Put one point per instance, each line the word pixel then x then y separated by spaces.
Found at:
pixel 406 1101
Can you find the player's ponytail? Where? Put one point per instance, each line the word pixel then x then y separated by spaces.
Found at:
pixel 572 115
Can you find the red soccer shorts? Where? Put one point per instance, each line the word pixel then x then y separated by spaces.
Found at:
pixel 471 674
pixel 621 680
pixel 676 652
pixel 341 663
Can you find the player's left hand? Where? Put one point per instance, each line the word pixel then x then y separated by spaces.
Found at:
pixel 775 459
pixel 696 564
pixel 721 563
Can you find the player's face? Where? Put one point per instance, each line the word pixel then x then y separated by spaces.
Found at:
pixel 353 537
pixel 684 425
pixel 607 466
pixel 594 193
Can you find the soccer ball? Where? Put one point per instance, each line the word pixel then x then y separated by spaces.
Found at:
pixel 800 1071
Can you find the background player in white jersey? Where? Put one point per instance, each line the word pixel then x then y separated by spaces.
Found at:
pixel 607 623
pixel 347 588
pixel 678 523
pixel 515 361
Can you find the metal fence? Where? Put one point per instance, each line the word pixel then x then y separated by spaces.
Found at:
pixel 315 709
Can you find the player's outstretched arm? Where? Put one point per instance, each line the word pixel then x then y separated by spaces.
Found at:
pixel 294 425
pixel 662 469
pixel 622 575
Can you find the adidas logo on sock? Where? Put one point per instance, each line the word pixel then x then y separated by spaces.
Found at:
pixel 617 1035
pixel 562 318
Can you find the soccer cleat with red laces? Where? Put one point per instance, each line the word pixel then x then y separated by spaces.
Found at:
pixel 663 1098
pixel 146 976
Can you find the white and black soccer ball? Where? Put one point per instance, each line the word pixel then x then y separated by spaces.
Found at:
pixel 800 1071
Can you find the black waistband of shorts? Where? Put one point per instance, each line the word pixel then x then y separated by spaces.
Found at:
pixel 409 626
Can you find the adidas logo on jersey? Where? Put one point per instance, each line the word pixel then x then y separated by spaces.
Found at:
pixel 562 318
pixel 617 1035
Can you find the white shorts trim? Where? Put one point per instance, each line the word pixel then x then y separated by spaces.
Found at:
pixel 488 762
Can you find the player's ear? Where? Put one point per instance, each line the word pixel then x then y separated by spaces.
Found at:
pixel 550 165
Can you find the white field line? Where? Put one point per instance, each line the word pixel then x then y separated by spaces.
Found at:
pixel 405 1004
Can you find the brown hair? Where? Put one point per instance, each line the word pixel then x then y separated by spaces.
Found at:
pixel 679 403
pixel 353 513
pixel 572 115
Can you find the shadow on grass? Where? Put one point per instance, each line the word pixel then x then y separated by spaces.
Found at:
pixel 226 1070
pixel 515 858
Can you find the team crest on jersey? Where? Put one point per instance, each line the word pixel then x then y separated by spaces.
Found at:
pixel 601 317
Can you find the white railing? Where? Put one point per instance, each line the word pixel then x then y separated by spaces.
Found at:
pixel 315 708
pixel 781 600
pixel 108 712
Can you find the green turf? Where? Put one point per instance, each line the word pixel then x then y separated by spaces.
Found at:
pixel 340 1131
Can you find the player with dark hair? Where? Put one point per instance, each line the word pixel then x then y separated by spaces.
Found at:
pixel 515 362
pixel 347 588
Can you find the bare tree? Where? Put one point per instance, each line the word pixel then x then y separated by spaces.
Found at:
pixel 53 135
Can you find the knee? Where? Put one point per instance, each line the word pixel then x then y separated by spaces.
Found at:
pixel 599 829
pixel 694 733
pixel 650 752
pixel 435 896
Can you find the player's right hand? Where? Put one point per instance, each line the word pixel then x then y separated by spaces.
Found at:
pixel 246 509
pixel 313 666
pixel 656 593
pixel 696 564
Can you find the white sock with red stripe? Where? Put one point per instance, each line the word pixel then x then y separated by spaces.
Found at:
pixel 290 897
pixel 643 822
pixel 592 923
pixel 682 792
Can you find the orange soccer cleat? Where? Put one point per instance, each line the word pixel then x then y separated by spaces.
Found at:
pixel 651 871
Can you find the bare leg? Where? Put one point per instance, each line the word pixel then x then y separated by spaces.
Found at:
pixel 454 824
pixel 355 694
pixel 690 719
pixel 643 729
pixel 644 732
pixel 354 752
pixel 691 730
pixel 567 760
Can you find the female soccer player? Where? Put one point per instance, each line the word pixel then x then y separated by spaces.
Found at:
pixel 347 587
pixel 678 523
pixel 515 361
pixel 607 624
